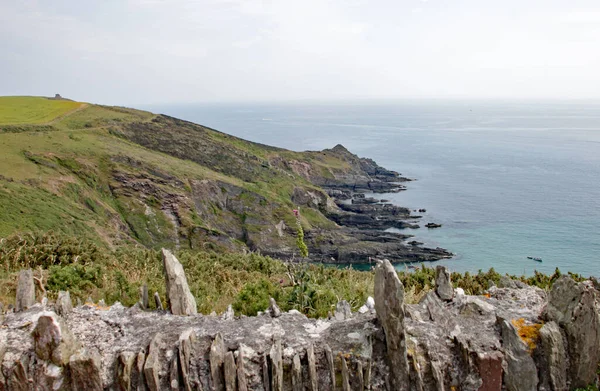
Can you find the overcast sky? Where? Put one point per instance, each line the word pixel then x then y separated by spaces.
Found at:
pixel 175 51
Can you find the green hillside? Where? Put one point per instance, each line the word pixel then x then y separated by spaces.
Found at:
pixel 103 187
pixel 121 175
pixel 16 110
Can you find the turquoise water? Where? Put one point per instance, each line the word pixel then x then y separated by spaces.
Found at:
pixel 507 180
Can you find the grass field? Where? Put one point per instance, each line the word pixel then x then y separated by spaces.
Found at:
pixel 15 110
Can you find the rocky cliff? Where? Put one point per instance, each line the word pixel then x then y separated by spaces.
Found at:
pixel 515 337
pixel 121 176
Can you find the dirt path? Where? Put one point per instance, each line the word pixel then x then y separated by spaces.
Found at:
pixel 65 115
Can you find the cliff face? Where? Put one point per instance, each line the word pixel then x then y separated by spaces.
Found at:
pixel 515 337
pixel 120 175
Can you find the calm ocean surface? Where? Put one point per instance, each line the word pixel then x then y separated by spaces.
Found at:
pixel 506 180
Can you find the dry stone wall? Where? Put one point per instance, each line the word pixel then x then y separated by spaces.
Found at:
pixel 519 338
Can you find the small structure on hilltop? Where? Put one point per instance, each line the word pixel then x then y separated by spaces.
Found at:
pixel 59 97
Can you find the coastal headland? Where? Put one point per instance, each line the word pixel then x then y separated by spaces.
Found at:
pixel 120 175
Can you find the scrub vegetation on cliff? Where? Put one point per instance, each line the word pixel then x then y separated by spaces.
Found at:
pixel 246 281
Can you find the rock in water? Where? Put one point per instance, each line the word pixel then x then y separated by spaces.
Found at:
pixel 389 304
pixel 180 299
pixel 443 286
pixel 25 291
pixel 573 306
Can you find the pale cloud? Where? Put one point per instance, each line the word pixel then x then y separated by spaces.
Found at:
pixel 144 51
pixel 582 17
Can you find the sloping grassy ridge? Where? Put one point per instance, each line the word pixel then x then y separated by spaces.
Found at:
pixel 119 175
pixel 15 110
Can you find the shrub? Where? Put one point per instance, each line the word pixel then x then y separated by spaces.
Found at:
pixel 78 279
pixel 254 297
pixel 32 250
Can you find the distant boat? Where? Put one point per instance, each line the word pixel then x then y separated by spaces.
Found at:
pixel 535 259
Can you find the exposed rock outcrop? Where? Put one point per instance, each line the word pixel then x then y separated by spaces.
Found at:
pixel 25 290
pixel 64 306
pixel 273 309
pixel 490 342
pixel 52 340
pixel 179 298
pixel 520 372
pixel 342 310
pixel 443 285
pixel 553 358
pixel 574 307
pixel 389 304
pixel 334 174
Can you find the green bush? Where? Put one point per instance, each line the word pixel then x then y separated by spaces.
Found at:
pixel 77 279
pixel 300 242
pixel 32 250
pixel 254 297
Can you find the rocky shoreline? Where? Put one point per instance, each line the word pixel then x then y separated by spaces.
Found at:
pixel 367 219
pixel 341 224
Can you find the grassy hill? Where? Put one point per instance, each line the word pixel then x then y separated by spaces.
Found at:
pixel 15 110
pixel 119 175
pixel 103 187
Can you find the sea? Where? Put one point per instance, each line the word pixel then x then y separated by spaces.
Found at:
pixel 506 179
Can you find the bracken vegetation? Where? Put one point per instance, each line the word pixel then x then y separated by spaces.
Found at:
pixel 246 281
